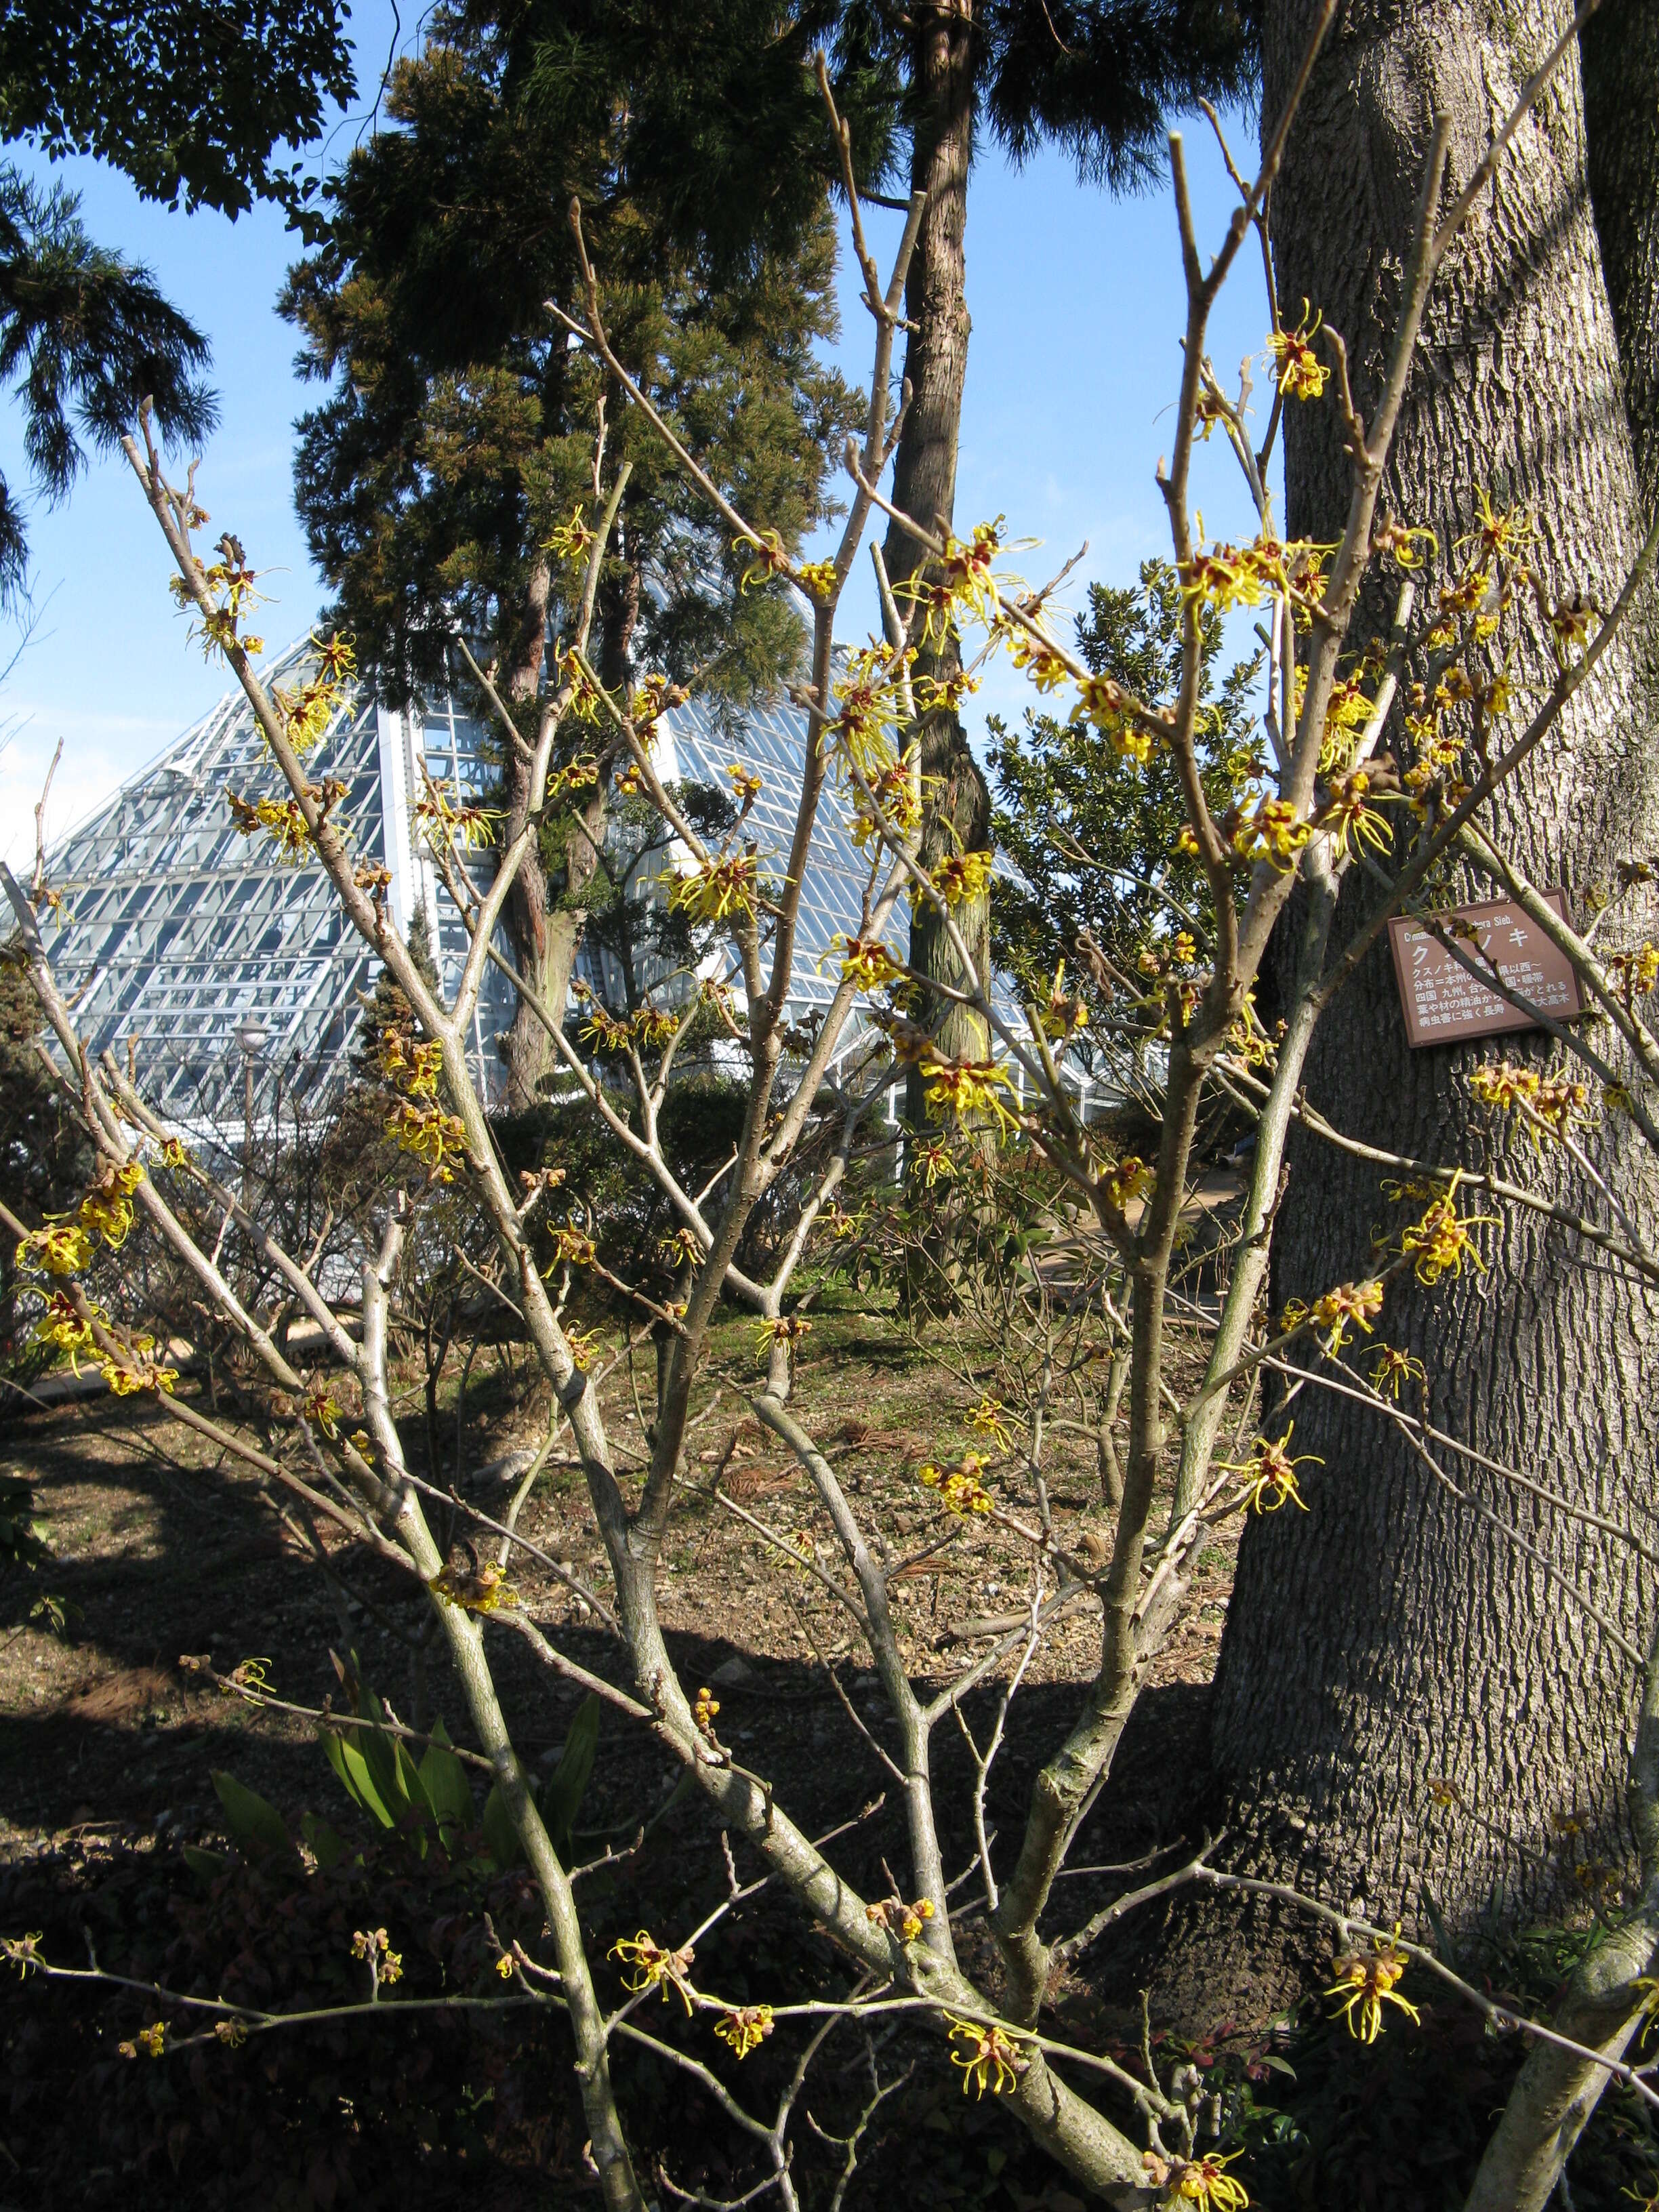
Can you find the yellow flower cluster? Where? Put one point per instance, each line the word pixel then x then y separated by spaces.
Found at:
pixel 1366 1982
pixel 745 2028
pixel 482 1589
pixel 961 583
pixel 652 1967
pixel 1201 2183
pixel 1272 830
pixel 227 584
pixel 967 1090
pixel 991 2058
pixel 152 2039
pixel 64 1244
pixel 1125 1179
pixel 283 818
pixel 717 889
pixel 571 541
pixel 1635 973
pixel 374 1945
pixel 1440 1243
pixel 867 962
pixel 788 1329
pixel 1553 1103
pixel 986 1419
pixel 1350 1305
pixel 1270 1473
pixel 430 1135
pixel 581 773
pixel 893 798
pixel 447 825
pixel 410 1064
pixel 1345 814
pixel 1392 1367
pixel 906 1922
pixel 1301 374
pixel 307 711
pixel 960 877
pixel 959 1487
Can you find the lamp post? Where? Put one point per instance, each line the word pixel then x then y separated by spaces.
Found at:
pixel 252 1036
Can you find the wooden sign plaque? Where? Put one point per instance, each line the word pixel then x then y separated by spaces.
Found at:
pixel 1443 1004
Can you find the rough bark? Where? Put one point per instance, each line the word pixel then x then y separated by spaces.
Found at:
pixel 526 1048
pixel 1390 1636
pixel 1620 48
pixel 958 815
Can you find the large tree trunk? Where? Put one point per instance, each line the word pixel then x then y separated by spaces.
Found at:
pixel 527 1047
pixel 1390 1638
pixel 1620 46
pixel 958 815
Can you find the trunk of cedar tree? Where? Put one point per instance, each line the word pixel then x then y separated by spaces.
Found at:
pixel 925 480
pixel 527 1047
pixel 1620 47
pixel 574 857
pixel 546 935
pixel 1389 1637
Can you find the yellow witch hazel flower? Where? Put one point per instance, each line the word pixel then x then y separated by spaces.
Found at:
pixel 228 586
pixel 1345 814
pixel 1440 1243
pixel 716 890
pixel 786 1329
pixel 652 1967
pixel 745 2028
pixel 870 700
pixel 307 711
pixel 65 1328
pixel 571 541
pixel 1203 2182
pixel 967 1090
pixel 896 792
pixel 446 823
pixel 959 1487
pixel 107 1209
pixel 986 1419
pixel 1351 1306
pixel 430 1134
pixel 962 583
pixel 991 2058
pixel 1366 1982
pixel 1552 1104
pixel 1274 831
pixel 867 962
pixel 1392 1367
pixel 60 1247
pixel 1270 1473
pixel 960 877
pixel 1302 375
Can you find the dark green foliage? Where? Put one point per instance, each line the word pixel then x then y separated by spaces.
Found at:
pixel 1103 77
pixel 44 1158
pixel 459 434
pixel 85 335
pixel 188 101
pixel 1091 833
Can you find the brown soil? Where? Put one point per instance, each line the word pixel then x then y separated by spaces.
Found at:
pixel 107 1746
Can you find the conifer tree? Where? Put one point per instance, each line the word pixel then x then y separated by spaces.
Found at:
pixel 458 443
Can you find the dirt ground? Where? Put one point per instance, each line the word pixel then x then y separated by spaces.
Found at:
pixel 160 1549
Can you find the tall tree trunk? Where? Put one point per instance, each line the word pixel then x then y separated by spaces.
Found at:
pixel 1390 1638
pixel 584 830
pixel 958 815
pixel 527 1047
pixel 1620 47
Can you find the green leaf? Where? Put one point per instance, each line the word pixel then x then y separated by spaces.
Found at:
pixel 443 1777
pixel 203 1861
pixel 349 1763
pixel 565 1788
pixel 254 1823
pixel 327 1844
pixel 1442 1941
pixel 501 1837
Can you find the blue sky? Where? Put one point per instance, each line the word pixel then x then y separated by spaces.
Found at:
pixel 1073 363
